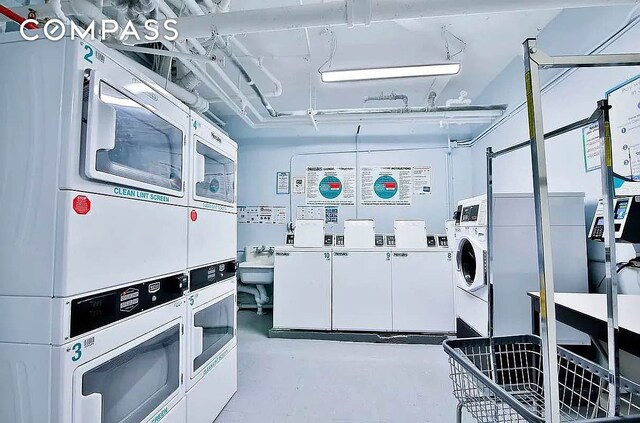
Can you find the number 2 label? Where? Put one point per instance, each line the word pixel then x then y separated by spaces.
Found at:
pixel 89 54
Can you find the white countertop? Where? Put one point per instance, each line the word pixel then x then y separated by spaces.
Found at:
pixel 595 305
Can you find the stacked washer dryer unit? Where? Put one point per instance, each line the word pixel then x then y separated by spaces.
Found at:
pixel 211 310
pixel 514 265
pixel 93 238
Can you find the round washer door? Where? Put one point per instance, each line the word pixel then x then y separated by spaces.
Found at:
pixel 470 264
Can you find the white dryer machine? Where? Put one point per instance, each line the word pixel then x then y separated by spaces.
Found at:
pixel 97 189
pixel 212 221
pixel 212 357
pixel 514 266
pixel 114 356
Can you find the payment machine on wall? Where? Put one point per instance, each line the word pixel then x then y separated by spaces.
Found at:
pixel 626 220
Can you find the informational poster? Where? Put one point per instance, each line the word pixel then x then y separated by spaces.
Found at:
pixel 310 212
pixel 282 182
pixel 422 180
pixel 280 214
pixel 386 185
pixel 591 145
pixel 625 136
pixel 334 186
pixel 269 215
pixel 298 185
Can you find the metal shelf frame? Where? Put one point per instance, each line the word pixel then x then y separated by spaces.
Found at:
pixel 534 60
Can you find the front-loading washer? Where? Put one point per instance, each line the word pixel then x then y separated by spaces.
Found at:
pixel 97 191
pixel 471 259
pixel 110 356
pixel 514 265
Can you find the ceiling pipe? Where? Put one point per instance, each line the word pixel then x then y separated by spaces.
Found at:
pixel 336 13
pixel 223 45
pixel 385 97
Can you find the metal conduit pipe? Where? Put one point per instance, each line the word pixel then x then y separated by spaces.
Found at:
pixel 335 13
pixel 204 75
pixel 223 46
pixel 278 90
pixel 392 96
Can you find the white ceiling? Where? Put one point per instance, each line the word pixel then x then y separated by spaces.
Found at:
pixel 492 41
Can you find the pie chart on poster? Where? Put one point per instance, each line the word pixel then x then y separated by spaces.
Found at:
pixel 385 187
pixel 330 187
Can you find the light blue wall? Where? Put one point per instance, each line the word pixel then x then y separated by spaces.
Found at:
pixel 259 160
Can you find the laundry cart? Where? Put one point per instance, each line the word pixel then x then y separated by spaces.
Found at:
pixel 526 378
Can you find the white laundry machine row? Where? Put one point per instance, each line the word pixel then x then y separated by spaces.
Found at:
pixel 364 289
pixel 111 356
pixel 514 265
pixel 95 156
pixel 212 358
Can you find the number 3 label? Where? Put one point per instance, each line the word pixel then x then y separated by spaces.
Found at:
pixel 77 349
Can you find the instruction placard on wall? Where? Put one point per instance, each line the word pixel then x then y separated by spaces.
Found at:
pixel 298 185
pixel 386 185
pixel 331 186
pixel 422 180
pixel 625 136
pixel 591 146
pixel 262 215
pixel 282 182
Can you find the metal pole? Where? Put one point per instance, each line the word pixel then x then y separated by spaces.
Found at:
pixel 543 232
pixel 611 275
pixel 489 257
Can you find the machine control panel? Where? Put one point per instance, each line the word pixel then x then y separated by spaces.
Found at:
pixel 379 239
pixel 626 220
pixel 391 240
pixel 431 241
pixel 443 241
pixel 95 311
pixel 290 239
pixel 339 240
pixel 328 240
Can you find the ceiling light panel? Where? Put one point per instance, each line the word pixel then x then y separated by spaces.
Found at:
pixel 387 73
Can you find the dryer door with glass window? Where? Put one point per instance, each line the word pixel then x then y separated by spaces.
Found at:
pixel 212 328
pixel 215 175
pixel 470 264
pixel 129 141
pixel 131 383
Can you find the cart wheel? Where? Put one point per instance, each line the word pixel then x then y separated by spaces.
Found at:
pixel 459 413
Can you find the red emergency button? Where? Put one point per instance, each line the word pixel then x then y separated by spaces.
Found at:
pixel 194 215
pixel 81 204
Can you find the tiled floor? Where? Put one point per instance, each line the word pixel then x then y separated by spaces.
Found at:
pixel 284 381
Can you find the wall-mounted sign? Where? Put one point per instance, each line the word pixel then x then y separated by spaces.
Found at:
pixel 422 180
pixel 282 182
pixel 386 185
pixel 625 136
pixel 591 147
pixel 298 185
pixel 269 215
pixel 331 186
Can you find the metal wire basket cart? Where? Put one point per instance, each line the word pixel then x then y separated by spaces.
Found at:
pixel 526 378
pixel 507 385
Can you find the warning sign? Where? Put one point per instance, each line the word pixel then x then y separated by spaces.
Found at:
pixel 386 185
pixel 81 204
pixel 331 185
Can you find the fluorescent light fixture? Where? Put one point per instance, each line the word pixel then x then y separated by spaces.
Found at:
pixel 396 72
